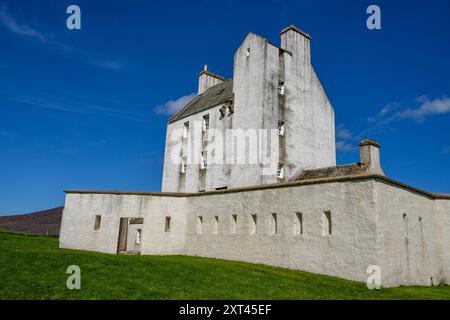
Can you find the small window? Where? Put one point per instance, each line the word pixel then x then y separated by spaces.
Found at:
pixel 273 224
pixel 167 225
pixel 199 225
pixel 98 220
pixel 280 128
pixel 298 223
pixel 327 225
pixel 233 227
pixel 204 160
pixel 205 125
pixel 138 236
pixel 222 111
pixel 183 165
pixel 247 52
pixel 185 130
pixel 216 225
pixel 280 171
pixel 253 224
pixel 281 88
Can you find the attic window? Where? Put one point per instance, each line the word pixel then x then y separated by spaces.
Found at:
pixel 280 171
pixel 247 52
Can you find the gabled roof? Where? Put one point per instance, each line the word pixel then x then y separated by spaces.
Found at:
pixel 212 97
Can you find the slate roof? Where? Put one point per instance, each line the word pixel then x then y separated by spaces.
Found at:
pixel 213 96
pixel 337 171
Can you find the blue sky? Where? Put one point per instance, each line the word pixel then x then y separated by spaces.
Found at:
pixel 87 109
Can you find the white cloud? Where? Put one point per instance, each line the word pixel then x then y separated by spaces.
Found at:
pixel 343 146
pixel 343 133
pixel 172 106
pixel 427 108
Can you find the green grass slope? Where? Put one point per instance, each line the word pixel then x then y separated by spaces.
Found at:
pixel 33 267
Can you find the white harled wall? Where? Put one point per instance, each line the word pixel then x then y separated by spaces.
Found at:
pixel 368 228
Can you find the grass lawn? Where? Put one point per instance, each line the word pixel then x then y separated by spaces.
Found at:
pixel 33 267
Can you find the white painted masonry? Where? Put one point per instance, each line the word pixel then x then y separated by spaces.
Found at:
pixel 352 216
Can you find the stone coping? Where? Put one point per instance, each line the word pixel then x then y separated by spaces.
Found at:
pixel 272 186
pixel 292 27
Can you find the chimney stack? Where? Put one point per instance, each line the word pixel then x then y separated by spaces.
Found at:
pixel 369 151
pixel 297 42
pixel 207 79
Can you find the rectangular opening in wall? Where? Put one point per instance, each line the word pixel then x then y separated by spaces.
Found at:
pixel 298 223
pixel 280 171
pixel 185 130
pixel 205 123
pixel 216 225
pixel 253 224
pixel 167 224
pixel 327 225
pixel 98 220
pixel 183 165
pixel 273 224
pixel 199 224
pixel 138 236
pixel 233 226
pixel 204 160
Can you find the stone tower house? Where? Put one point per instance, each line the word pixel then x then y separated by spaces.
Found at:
pixel 274 89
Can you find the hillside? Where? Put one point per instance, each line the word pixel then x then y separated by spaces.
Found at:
pixel 33 267
pixel 46 222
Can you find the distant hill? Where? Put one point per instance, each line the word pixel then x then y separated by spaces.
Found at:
pixel 40 222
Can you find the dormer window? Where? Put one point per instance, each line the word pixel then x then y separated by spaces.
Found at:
pixel 185 130
pixel 205 124
pixel 281 88
pixel 280 128
pixel 280 171
pixel 203 161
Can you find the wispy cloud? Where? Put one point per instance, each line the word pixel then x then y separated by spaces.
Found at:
pixel 346 140
pixel 7 19
pixel 343 133
pixel 343 146
pixel 172 106
pixel 81 107
pixel 422 108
